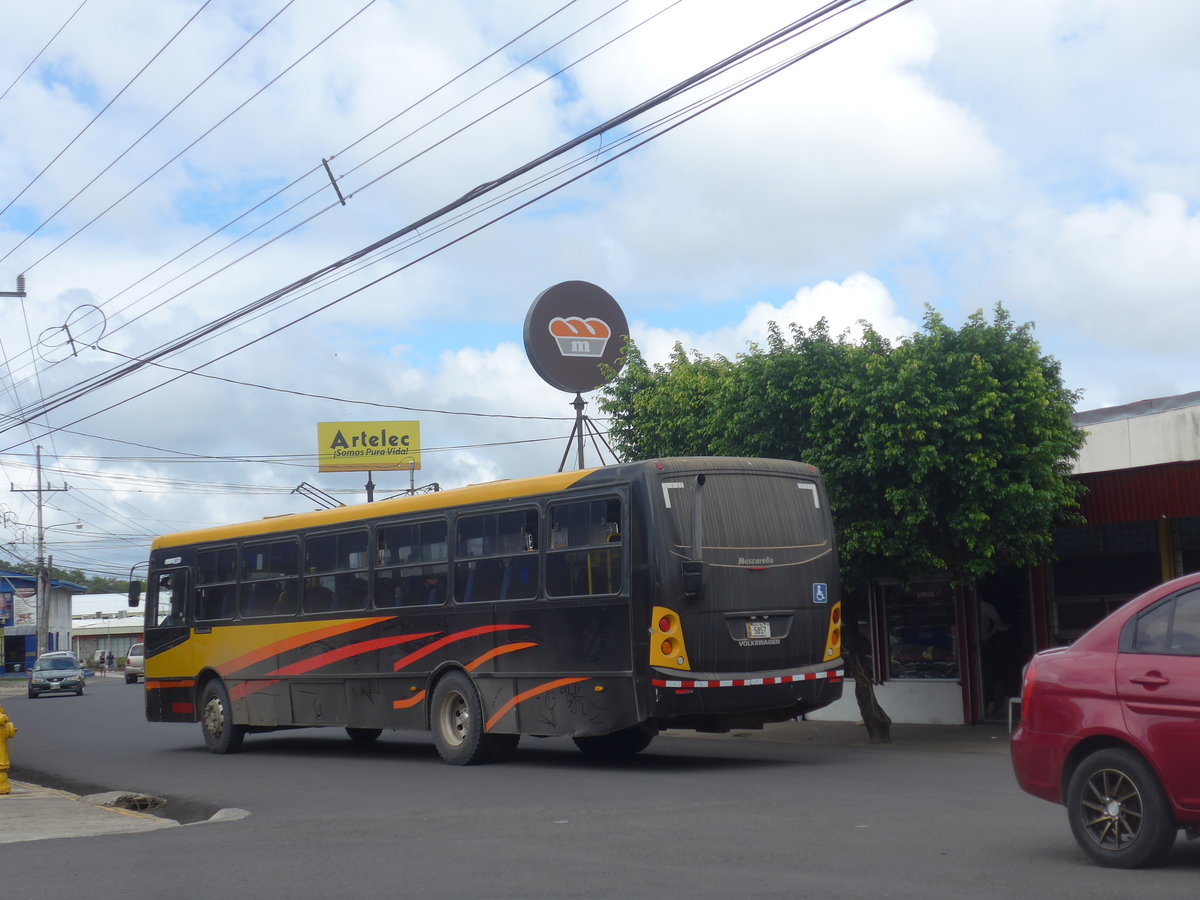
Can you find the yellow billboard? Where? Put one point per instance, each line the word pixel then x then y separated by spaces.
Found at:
pixel 368 446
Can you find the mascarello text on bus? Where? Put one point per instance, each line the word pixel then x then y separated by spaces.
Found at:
pixel 604 604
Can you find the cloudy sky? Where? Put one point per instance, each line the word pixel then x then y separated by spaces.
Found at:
pixel 162 182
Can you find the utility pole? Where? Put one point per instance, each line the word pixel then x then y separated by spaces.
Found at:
pixel 19 292
pixel 43 600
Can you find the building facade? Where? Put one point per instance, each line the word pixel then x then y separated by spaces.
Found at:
pixel 942 655
pixel 18 618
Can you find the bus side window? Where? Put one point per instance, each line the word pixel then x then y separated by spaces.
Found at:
pixel 335 566
pixel 585 556
pixel 496 556
pixel 415 572
pixel 216 583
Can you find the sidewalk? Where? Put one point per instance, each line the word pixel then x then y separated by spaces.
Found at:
pixel 33 813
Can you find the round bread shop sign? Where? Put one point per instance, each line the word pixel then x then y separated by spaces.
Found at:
pixel 571 331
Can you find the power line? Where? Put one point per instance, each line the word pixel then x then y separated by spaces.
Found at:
pixel 210 130
pixel 779 36
pixel 93 121
pixel 38 55
pixel 324 187
pixel 373 403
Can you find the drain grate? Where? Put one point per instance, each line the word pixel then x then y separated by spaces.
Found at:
pixel 143 803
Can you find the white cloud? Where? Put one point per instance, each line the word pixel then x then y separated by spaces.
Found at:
pixel 1122 273
pixel 859 298
pixel 1031 152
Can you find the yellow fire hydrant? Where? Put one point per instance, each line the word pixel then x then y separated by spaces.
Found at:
pixel 7 730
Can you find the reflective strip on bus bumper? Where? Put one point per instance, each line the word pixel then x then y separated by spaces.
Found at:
pixel 835 675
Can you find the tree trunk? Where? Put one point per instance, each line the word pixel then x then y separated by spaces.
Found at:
pixel 877 722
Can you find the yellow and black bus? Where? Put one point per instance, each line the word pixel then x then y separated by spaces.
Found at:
pixel 604 604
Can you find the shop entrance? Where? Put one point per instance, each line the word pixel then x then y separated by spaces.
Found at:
pixel 18 651
pixel 1004 629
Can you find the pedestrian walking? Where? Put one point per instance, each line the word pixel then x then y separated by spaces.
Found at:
pixel 103 663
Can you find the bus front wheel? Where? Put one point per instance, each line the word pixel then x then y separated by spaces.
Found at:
pixel 457 720
pixel 216 720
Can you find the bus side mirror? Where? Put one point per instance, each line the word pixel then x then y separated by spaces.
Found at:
pixel 693 579
pixel 135 594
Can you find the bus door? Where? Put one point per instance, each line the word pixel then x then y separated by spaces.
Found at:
pixel 750 569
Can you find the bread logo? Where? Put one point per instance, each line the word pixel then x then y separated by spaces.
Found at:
pixel 580 337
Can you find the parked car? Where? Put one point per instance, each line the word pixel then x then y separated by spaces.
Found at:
pixel 56 673
pixel 135 663
pixel 1110 727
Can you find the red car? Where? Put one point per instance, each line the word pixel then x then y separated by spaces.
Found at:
pixel 1110 727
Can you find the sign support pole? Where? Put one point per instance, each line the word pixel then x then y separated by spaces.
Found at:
pixel 579 404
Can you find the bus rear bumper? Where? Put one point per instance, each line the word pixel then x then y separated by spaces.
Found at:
pixel 718 702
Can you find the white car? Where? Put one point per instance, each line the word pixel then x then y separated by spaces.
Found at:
pixel 135 663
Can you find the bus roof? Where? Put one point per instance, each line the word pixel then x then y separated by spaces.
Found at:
pixel 474 493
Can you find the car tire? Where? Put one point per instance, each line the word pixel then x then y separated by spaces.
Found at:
pixel 33 695
pixel 1118 811
pixel 131 679
pixel 221 735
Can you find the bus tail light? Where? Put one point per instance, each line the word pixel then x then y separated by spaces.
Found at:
pixel 667 649
pixel 833 640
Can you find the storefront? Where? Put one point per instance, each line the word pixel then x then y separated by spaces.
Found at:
pixel 942 655
pixel 18 624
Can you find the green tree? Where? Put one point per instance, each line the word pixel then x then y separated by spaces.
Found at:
pixel 949 451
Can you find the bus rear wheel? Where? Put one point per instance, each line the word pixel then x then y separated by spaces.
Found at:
pixel 216 720
pixel 626 742
pixel 457 721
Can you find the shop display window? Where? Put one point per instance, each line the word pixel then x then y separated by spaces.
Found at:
pixel 921 633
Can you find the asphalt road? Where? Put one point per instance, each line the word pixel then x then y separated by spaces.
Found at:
pixel 692 817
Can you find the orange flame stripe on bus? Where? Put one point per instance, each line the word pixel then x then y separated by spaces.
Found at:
pixel 332 656
pixel 410 702
pixel 419 697
pixel 497 651
pixel 159 684
pixel 525 695
pixel 298 640
pixel 450 639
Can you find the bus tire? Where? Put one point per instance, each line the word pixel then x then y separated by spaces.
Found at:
pixel 618 744
pixel 456 718
pixel 216 720
pixel 364 735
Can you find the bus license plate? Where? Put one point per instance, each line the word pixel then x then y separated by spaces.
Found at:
pixel 758 629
